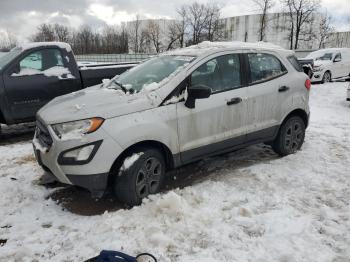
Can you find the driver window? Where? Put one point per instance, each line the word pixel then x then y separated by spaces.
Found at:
pixel 220 74
pixel 39 61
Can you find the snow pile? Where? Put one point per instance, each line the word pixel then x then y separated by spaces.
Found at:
pixel 250 205
pixel 58 71
pixel 175 99
pixel 129 161
pixel 73 134
pixel 206 46
pixel 31 45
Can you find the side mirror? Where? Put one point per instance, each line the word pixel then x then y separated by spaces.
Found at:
pixel 196 92
pixel 337 59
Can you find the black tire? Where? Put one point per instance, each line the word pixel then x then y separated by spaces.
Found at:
pixel 327 77
pixel 290 137
pixel 144 177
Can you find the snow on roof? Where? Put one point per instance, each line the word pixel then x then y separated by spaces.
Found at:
pixel 39 44
pixel 206 46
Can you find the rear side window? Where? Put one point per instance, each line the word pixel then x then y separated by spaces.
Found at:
pixel 220 74
pixel 264 67
pixel 295 63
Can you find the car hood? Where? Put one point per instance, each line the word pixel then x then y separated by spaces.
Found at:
pixel 322 62
pixel 96 101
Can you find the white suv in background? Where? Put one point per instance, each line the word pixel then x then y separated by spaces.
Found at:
pixel 329 64
pixel 171 110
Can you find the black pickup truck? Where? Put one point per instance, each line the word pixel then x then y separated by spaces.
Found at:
pixel 35 73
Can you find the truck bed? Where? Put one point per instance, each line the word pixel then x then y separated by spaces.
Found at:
pixel 92 73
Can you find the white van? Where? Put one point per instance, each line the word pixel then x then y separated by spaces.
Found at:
pixel 329 64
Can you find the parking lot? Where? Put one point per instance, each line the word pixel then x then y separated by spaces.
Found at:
pixel 249 205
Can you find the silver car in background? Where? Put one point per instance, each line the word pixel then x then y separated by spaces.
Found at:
pixel 171 110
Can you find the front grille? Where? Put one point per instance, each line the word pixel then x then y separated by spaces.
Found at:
pixel 43 134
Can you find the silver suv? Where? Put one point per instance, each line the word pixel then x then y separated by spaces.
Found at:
pixel 171 110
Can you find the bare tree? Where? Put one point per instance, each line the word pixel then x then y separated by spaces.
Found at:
pixel 175 34
pixel 154 34
pixel 62 33
pixel 264 7
pixel 301 13
pixel 197 16
pixel 135 34
pixel 325 30
pixel 201 21
pixel 214 24
pixel 45 33
pixel 85 38
pixel 181 25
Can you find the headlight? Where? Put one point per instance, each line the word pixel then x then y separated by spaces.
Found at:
pixel 76 129
pixel 318 68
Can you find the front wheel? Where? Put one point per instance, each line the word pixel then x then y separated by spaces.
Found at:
pixel 141 174
pixel 290 137
pixel 327 77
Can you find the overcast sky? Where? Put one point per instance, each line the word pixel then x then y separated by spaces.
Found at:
pixel 21 17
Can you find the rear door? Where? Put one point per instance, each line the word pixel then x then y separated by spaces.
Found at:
pixel 218 122
pixel 268 89
pixel 33 80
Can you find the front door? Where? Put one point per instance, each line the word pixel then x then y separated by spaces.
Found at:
pixel 218 122
pixel 34 81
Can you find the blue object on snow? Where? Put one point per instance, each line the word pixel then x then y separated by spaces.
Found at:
pixel 115 256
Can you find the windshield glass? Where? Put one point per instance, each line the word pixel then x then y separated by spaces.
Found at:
pixel 326 56
pixel 7 57
pixel 150 73
pixel 320 55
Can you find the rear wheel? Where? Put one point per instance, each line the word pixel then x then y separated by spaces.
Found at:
pixel 290 137
pixel 327 77
pixel 142 177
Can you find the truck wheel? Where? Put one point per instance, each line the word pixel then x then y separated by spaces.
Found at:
pixel 327 77
pixel 290 137
pixel 137 179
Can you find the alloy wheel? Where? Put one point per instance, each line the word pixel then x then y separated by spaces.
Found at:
pixel 148 177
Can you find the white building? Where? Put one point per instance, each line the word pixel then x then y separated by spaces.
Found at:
pixel 246 28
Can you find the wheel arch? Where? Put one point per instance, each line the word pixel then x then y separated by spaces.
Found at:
pixel 164 149
pixel 298 112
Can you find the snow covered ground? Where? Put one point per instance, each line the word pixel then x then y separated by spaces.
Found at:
pixel 249 205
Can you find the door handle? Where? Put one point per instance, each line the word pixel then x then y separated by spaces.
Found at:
pixel 283 89
pixel 234 101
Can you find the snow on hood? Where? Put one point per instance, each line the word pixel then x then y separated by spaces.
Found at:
pixel 96 101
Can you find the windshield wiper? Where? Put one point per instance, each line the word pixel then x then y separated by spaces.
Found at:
pixel 120 85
